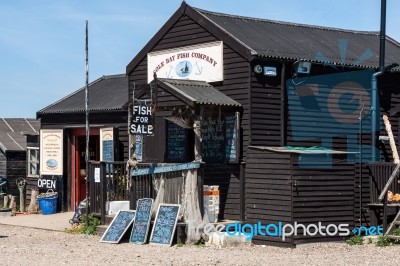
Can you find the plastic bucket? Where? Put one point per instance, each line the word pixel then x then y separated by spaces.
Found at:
pixel 48 205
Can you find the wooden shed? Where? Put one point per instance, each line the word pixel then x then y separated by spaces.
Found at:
pixel 108 140
pixel 18 146
pixel 285 77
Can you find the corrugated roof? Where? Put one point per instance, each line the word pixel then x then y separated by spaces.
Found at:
pixel 284 40
pixel 105 94
pixel 198 92
pixel 13 131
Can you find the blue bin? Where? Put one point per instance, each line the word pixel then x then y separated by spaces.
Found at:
pixel 48 205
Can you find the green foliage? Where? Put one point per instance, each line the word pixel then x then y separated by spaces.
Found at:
pixel 81 228
pixel 384 241
pixel 180 245
pixel 396 231
pixel 369 240
pixel 93 222
pixel 355 240
pixel 201 243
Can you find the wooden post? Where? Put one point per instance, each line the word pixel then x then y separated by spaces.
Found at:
pixel 197 136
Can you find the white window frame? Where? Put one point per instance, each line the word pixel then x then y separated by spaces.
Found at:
pixel 30 161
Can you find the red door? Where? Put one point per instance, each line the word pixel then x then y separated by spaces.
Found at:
pixel 94 155
pixel 78 161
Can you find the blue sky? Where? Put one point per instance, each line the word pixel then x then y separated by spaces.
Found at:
pixel 42 42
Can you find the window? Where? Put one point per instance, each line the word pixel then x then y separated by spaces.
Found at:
pixel 33 162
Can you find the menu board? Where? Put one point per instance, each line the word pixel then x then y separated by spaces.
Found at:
pixel 232 137
pixel 213 139
pixel 118 227
pixel 177 143
pixel 165 224
pixel 107 146
pixel 220 138
pixel 141 225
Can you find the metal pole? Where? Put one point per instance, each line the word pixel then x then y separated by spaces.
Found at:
pixel 87 125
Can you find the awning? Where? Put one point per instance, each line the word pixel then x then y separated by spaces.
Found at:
pixel 193 92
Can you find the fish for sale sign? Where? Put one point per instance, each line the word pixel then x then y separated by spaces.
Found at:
pixel 142 122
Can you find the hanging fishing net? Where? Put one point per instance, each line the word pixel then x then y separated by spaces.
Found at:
pixel 191 207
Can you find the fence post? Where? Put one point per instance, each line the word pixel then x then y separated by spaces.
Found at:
pixel 103 192
pixel 132 203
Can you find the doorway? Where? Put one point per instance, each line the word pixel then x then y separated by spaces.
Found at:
pixel 94 155
pixel 78 162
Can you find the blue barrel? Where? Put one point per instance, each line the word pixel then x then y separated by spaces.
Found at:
pixel 48 205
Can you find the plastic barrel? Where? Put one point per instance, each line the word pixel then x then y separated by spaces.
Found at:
pixel 48 205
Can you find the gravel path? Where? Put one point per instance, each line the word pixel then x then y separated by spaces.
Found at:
pixel 27 246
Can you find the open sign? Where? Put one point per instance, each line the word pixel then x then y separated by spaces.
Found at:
pixel 47 183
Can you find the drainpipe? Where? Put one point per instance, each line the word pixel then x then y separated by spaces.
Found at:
pixel 374 80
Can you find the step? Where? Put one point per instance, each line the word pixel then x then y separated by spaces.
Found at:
pixel 109 218
pixel 100 229
pixel 393 237
pixel 397 222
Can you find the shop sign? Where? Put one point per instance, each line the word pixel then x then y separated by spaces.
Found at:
pixel 141 123
pixel 51 152
pixel 196 62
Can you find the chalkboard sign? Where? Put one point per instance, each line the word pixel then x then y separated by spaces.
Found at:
pixel 118 227
pixel 177 140
pixel 108 147
pixel 107 150
pixel 139 148
pixel 141 225
pixel 232 138
pixel 165 224
pixel 213 139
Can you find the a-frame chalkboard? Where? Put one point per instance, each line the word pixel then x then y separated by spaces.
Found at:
pixel 165 224
pixel 141 225
pixel 118 226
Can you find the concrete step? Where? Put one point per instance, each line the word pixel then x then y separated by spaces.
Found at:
pixel 393 237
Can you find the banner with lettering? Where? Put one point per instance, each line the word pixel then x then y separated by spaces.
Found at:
pixel 196 62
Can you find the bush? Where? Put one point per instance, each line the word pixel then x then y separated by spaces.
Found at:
pixel 384 241
pixel 355 240
pixel 93 222
pixel 81 228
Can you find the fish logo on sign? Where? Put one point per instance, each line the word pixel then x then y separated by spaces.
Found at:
pixel 183 68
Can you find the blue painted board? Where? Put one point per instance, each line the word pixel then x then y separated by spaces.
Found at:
pixel 141 225
pixel 118 227
pixel 165 224
pixel 165 168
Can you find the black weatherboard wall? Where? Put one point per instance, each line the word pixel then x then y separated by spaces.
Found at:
pixel 285 191
pixel 16 134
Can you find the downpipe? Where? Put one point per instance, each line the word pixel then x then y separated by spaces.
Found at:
pixel 374 107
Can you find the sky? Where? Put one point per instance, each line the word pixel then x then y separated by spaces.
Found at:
pixel 42 42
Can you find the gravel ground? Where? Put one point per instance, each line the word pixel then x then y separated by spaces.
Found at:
pixel 28 246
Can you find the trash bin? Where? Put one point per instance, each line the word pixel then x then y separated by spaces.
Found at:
pixel 48 202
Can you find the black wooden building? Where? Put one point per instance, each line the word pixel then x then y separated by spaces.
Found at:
pixel 279 77
pixel 18 153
